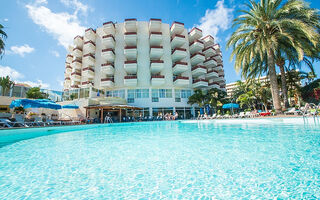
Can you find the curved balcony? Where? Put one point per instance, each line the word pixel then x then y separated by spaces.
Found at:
pixel 130 25
pixel 209 51
pixel 130 38
pixel 177 40
pixel 181 81
pixel 108 41
pixel 130 52
pixel 218 58
pixel 156 66
pixel 78 41
pixel 198 70
pixel 157 80
pixel 221 72
pixel 195 34
pixel 196 46
pixel 220 79
pixel 107 68
pixel 76 64
pixel 179 67
pixel 68 69
pixel 90 34
pixel 69 58
pixel 155 38
pixel 197 58
pixel 217 47
pixel 87 84
pixel 177 28
pixel 88 72
pixel 214 85
pixel 109 28
pixel 130 80
pixel 88 60
pixel 199 83
pixel 130 66
pixel 77 52
pixel 107 82
pixel 89 46
pixel 208 41
pixel 156 52
pixel 212 74
pixel 76 76
pixel 67 80
pixel 108 54
pixel 210 62
pixel 75 85
pixel 155 24
pixel 178 54
pixel 219 67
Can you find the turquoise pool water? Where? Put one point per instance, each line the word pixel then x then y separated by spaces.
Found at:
pixel 221 159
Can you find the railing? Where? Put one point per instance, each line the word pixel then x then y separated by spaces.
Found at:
pixel 79 61
pixel 195 28
pixel 197 67
pixel 209 71
pixel 78 36
pixel 87 42
pixel 130 19
pixel 157 76
pixel 199 41
pixel 87 82
pixel 175 22
pixel 91 30
pixel 130 77
pixel 88 68
pixel 179 63
pixel 177 35
pixel 106 64
pixel 178 49
pixel 201 54
pixel 130 33
pixel 109 49
pixel 214 83
pixel 130 47
pixel 208 59
pixel 180 77
pixel 156 47
pixel 154 19
pixel 89 55
pixel 156 61
pixel 107 36
pixel 130 62
pixel 108 79
pixel 67 78
pixel 76 73
pixel 77 48
pixel 199 80
pixel 109 22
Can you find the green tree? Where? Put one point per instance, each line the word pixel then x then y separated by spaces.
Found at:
pixel 215 97
pixel 3 36
pixel 6 84
pixel 267 26
pixel 199 97
pixel 35 93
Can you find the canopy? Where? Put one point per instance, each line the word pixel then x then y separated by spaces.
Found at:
pixel 36 103
pixel 70 106
pixel 230 106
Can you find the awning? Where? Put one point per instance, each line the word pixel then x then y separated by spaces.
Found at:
pixel 230 105
pixel 36 103
pixel 70 106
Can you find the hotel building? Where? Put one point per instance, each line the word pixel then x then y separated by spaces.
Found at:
pixel 148 64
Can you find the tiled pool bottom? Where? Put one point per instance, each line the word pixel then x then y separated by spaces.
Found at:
pixel 221 159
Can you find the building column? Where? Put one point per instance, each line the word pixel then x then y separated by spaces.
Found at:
pixel 101 115
pixel 150 111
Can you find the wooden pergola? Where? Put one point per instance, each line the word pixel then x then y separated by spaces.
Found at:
pixel 112 108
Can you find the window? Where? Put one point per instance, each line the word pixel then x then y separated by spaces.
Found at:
pixel 130 100
pixel 138 93
pixel 183 94
pixel 145 93
pixel 121 93
pixel 168 93
pixel 109 94
pixel 177 99
pixel 177 93
pixel 130 94
pixel 188 93
pixel 155 93
pixel 155 99
pixel 162 93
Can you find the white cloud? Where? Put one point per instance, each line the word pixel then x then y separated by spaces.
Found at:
pixel 55 53
pixel 215 20
pixel 5 19
pixel 63 26
pixel 8 71
pixel 77 5
pixel 21 50
pixel 41 2
pixel 39 83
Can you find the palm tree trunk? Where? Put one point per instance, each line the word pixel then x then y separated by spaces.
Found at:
pixel 273 82
pixel 284 87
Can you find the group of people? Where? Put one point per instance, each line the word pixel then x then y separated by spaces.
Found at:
pixel 168 116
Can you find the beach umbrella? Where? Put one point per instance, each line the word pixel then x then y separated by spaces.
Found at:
pixel 230 105
pixel 70 106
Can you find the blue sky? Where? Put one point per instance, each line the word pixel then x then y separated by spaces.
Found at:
pixel 40 30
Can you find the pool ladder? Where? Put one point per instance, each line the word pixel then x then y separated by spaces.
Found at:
pixel 315 113
pixel 108 119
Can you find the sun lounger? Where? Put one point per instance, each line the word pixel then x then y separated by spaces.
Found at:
pixel 293 111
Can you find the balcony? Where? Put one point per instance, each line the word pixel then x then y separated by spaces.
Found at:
pixel 108 54
pixel 221 72
pixel 89 46
pixel 156 66
pixel 107 82
pixel 196 46
pixel 109 28
pixel 107 68
pixel 130 25
pixel 197 58
pixel 130 38
pixel 214 85
pixel 219 67
pixel 130 66
pixel 155 38
pixel 87 84
pixel 218 58
pixel 88 60
pixel 212 74
pixel 198 70
pixel 67 80
pixel 77 52
pixel 209 51
pixel 179 67
pixel 208 41
pixel 217 47
pixel 108 41
pixel 181 81
pixel 130 52
pixel 75 85
pixel 200 83
pixel 69 58
pixel 78 41
pixel 88 72
pixel 155 24
pixel 156 52
pixel 76 76
pixel 90 34
pixel 130 80
pixel 177 28
pixel 219 79
pixel 76 64
pixel 195 34
pixel 157 80
pixel 177 40
pixel 210 62
pixel 178 54
pixel 68 69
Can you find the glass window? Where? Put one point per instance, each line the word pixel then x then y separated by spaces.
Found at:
pixel 130 100
pixel 177 99
pixel 146 112
pixel 162 93
pixel 168 93
pixel 109 94
pixel 155 93
pixel 155 99
pixel 177 93
pixel 183 94
pixel 138 93
pixel 145 93
pixel 130 93
pixel 121 93
pixel 188 93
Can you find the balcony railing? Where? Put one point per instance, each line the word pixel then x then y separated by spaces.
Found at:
pixel 155 24
pixel 195 34
pixel 177 27
pixel 108 79
pixel 199 80
pixel 130 77
pixel 181 78
pixel 179 63
pixel 157 76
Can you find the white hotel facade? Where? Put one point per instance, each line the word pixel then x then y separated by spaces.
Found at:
pixel 148 64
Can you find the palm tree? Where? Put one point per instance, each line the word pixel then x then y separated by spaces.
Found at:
pixel 215 97
pixel 199 97
pixel 3 36
pixel 263 28
pixel 6 84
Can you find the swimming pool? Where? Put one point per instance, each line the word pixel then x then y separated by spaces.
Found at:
pixel 222 159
